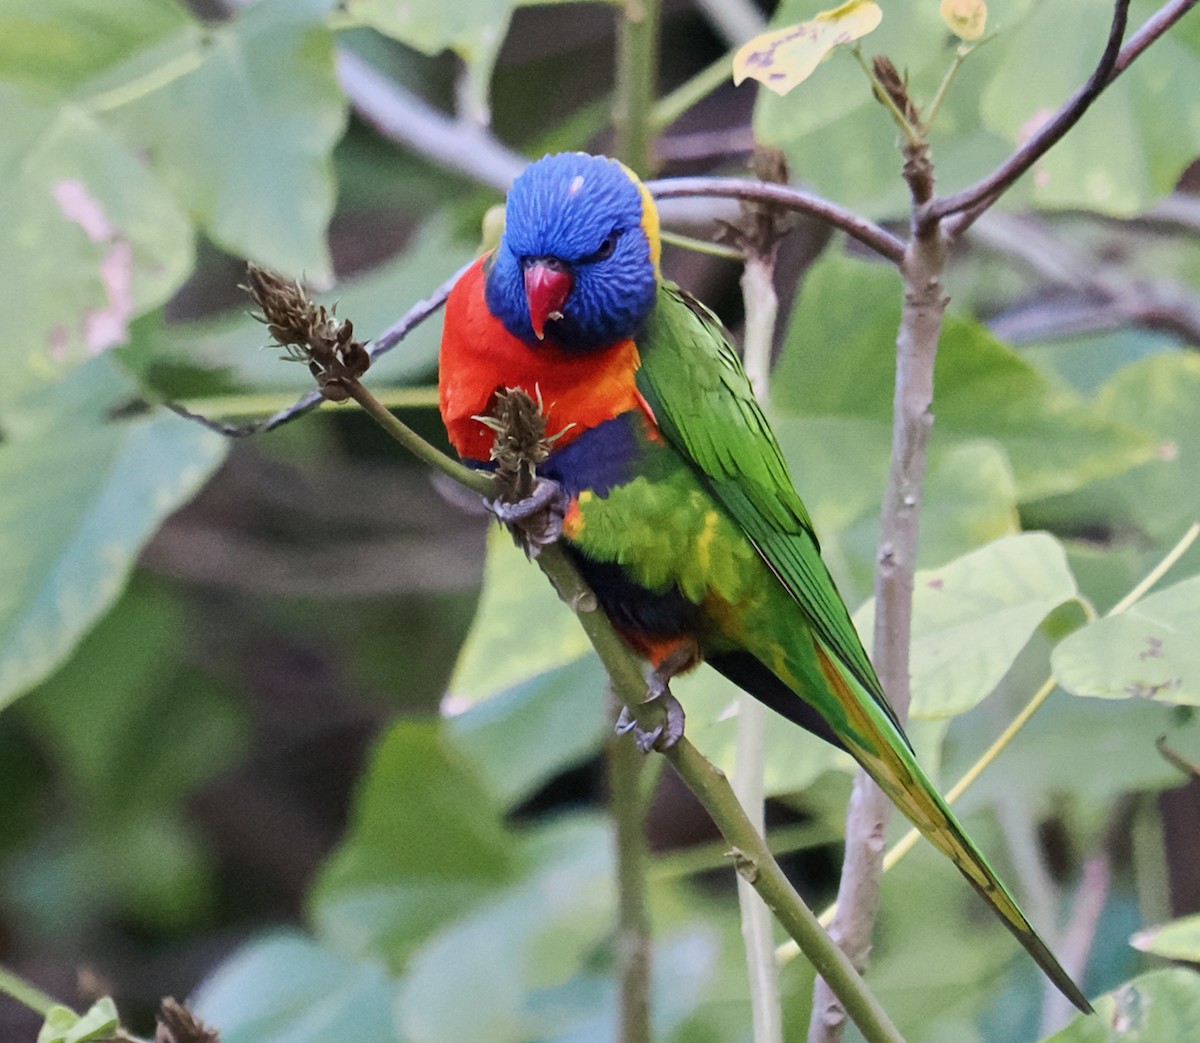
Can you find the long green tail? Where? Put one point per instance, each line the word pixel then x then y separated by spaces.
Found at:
pixel 883 751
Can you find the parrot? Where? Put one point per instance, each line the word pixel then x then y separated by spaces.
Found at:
pixel 665 484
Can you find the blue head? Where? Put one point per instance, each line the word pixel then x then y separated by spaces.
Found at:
pixel 578 262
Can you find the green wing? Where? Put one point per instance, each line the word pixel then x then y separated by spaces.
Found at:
pixel 704 405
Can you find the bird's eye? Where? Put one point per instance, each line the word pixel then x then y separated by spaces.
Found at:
pixel 606 248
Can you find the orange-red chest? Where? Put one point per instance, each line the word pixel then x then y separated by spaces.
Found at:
pixel 479 356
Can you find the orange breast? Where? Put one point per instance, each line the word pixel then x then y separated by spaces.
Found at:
pixel 479 356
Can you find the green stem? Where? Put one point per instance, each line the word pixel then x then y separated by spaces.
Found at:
pixel 476 481
pixel 141 86
pixel 250 405
pixel 26 994
pixel 671 106
pixel 762 306
pixel 637 69
pixel 702 246
pixel 935 106
pixel 636 76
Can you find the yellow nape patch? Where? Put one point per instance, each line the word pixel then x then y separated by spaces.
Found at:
pixel 650 224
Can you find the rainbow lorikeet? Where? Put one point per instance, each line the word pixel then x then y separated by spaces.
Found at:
pixel 675 502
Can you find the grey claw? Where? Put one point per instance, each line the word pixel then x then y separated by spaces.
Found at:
pixel 536 520
pixel 663 736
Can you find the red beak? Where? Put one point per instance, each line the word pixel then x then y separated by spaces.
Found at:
pixel 547 284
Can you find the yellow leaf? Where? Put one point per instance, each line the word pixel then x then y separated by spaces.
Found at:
pixel 781 59
pixel 966 18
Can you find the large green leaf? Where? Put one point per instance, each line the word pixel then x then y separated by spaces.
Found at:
pixel 839 465
pixel 839 360
pixel 1160 395
pixel 287 988
pixel 534 935
pixel 67 544
pixel 426 843
pixel 1177 940
pixel 1160 1007
pixel 123 844
pixel 521 628
pixel 474 29
pixel 94 239
pixel 60 43
pixel 521 737
pixel 1150 651
pixel 244 136
pixel 972 618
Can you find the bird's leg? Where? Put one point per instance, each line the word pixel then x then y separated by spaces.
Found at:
pixel 666 734
pixel 535 520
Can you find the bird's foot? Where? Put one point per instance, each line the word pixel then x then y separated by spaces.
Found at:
pixel 670 730
pixel 536 520
pixel 663 735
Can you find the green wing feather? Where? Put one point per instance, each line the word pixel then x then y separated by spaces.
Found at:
pixel 694 382
pixel 704 406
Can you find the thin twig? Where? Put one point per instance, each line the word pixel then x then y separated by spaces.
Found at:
pixel 972 201
pixel 636 85
pixel 309 401
pixel 868 233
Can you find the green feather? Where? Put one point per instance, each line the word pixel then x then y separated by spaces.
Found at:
pixel 706 410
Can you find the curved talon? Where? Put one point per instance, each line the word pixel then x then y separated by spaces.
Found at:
pixel 536 520
pixel 663 736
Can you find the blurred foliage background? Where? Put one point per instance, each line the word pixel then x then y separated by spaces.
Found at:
pixel 286 731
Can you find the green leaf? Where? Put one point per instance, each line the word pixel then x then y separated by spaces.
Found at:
pixel 124 844
pixel 1177 940
pixel 95 240
pixel 66 546
pixel 521 737
pixel 1151 651
pixel 521 627
pixel 287 988
pixel 426 842
pixel 1048 56
pixel 252 159
pixel 60 44
pixel 1054 439
pixel 63 1025
pixel 840 463
pixel 534 935
pixel 972 618
pixel 1160 1007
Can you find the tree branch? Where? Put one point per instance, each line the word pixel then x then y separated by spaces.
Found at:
pixel 916 350
pixel 985 192
pixel 868 233
pixel 964 207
